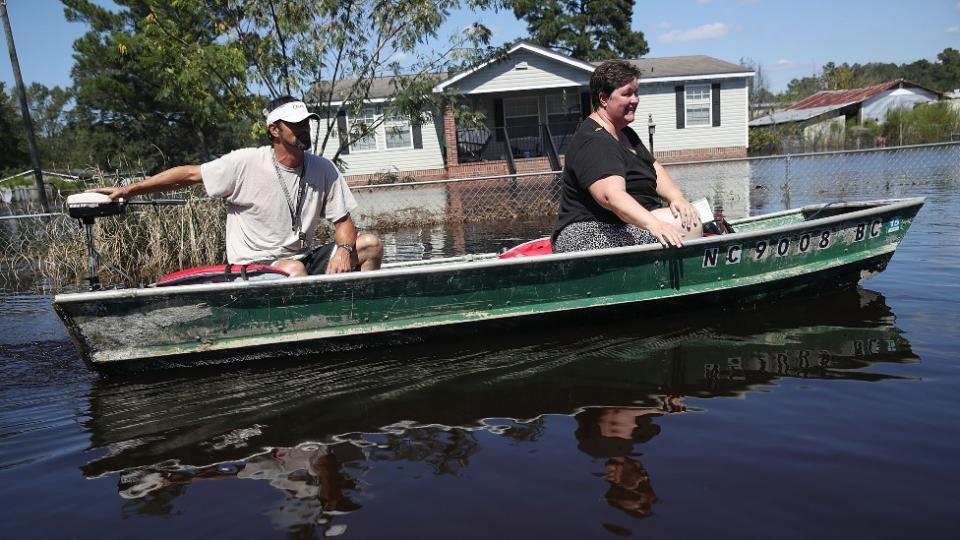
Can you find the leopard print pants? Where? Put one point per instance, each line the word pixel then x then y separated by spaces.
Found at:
pixel 584 235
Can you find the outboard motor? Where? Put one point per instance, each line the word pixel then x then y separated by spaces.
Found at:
pixel 87 207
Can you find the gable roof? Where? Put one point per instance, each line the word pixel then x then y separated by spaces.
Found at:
pixel 828 98
pixel 666 69
pixel 522 45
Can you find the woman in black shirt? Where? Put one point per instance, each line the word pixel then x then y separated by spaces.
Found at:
pixel 613 188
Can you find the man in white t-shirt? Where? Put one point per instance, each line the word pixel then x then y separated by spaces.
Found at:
pixel 277 196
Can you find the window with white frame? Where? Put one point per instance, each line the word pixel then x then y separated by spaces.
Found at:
pixel 398 133
pixel 394 132
pixel 367 117
pixel 697 104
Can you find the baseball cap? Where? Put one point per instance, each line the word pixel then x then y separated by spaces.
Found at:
pixel 292 112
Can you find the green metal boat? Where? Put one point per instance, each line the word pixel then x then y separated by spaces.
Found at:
pixel 810 249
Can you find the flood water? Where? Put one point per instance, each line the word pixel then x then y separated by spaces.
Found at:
pixel 831 417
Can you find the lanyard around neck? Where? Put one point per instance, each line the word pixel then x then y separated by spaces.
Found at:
pixel 295 209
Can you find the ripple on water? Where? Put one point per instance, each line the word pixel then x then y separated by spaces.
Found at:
pixel 29 318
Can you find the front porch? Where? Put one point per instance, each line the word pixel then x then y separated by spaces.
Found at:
pixel 519 127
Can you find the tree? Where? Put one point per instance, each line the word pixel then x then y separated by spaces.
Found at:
pixel 13 144
pixel 192 76
pixel 759 92
pixel 584 29
pixel 335 51
pixel 48 109
pixel 947 70
pixel 942 75
pixel 159 75
pixel 801 88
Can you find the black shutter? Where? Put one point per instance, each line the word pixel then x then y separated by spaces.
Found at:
pixel 681 112
pixel 715 94
pixel 585 106
pixel 342 134
pixel 417 136
pixel 498 117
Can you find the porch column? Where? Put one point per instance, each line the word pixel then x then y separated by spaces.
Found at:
pixel 450 136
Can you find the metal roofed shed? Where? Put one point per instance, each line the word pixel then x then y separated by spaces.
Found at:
pixel 794 115
pixel 868 103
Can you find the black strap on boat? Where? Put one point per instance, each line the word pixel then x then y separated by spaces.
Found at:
pixel 228 271
pixel 824 207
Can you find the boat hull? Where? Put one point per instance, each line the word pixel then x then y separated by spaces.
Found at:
pixel 782 253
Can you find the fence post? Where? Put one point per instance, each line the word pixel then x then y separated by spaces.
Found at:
pixel 786 171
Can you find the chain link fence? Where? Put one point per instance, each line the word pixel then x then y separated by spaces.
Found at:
pixel 480 199
pixel 737 187
pixel 148 242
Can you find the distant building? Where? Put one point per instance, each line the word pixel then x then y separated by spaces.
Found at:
pixel 534 98
pixel 822 116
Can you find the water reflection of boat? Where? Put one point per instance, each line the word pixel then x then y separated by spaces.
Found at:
pixel 171 421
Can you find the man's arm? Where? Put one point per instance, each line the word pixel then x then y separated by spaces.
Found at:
pixel 342 260
pixel 168 180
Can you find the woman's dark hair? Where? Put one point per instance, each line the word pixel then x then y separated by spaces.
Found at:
pixel 608 77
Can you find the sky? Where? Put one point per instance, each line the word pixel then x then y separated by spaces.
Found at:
pixel 788 39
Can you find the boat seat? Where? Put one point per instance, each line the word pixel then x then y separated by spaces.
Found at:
pixel 220 273
pixel 540 246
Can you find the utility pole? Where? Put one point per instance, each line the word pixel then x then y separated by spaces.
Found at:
pixel 24 109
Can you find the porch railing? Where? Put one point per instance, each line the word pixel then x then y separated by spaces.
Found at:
pixel 516 142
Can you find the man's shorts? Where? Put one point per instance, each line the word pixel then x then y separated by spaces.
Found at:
pixel 316 259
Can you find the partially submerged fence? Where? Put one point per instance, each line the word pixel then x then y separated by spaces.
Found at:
pixel 478 199
pixel 150 241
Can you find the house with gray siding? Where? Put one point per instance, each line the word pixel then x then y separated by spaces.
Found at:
pixel 532 100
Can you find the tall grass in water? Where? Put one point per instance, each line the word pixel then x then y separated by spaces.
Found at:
pixel 135 248
pixel 144 244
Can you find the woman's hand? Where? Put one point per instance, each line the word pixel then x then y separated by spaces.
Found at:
pixel 685 213
pixel 611 193
pixel 665 233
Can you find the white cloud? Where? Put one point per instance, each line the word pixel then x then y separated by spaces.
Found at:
pixel 785 63
pixel 953 30
pixel 663 26
pixel 700 33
